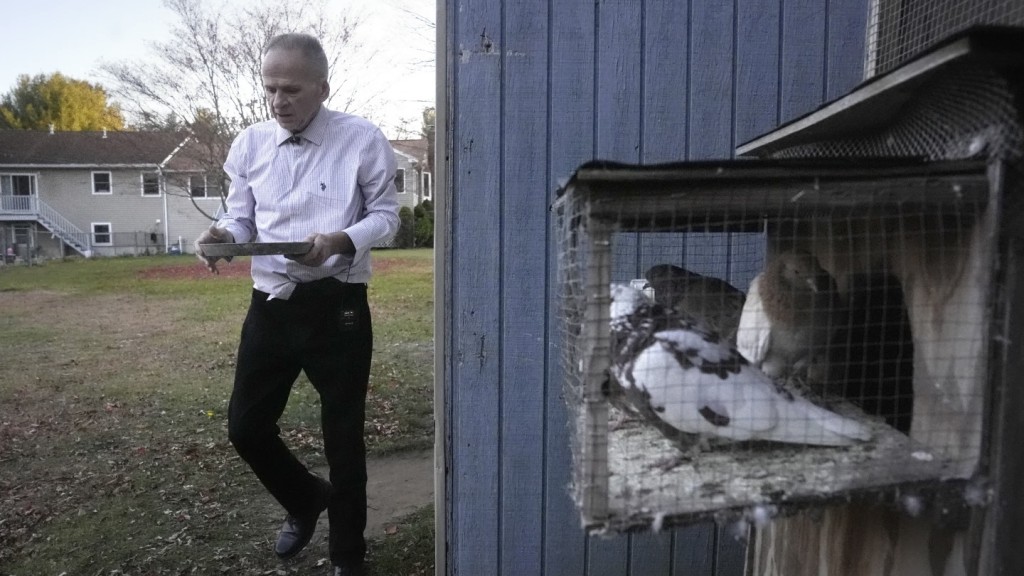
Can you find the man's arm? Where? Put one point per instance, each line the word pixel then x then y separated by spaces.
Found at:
pixel 380 197
pixel 380 201
pixel 237 223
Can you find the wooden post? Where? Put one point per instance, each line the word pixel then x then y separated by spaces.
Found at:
pixel 594 443
pixel 32 243
pixel 1000 552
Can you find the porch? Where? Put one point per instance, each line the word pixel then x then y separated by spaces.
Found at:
pixel 30 209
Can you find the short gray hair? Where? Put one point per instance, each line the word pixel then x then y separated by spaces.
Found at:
pixel 308 45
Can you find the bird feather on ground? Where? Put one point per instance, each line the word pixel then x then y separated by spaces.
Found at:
pixel 716 302
pixel 791 312
pixel 697 383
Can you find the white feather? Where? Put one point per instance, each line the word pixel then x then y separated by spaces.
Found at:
pixel 754 334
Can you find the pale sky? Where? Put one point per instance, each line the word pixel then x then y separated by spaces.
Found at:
pixel 74 37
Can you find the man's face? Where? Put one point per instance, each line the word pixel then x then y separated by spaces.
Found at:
pixel 294 91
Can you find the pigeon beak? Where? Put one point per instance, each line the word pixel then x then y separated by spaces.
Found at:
pixel 813 283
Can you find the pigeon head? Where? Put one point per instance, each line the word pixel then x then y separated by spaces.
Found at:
pixel 625 301
pixel 799 269
pixel 665 272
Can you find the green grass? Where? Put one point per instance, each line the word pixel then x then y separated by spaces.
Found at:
pixel 410 550
pixel 114 381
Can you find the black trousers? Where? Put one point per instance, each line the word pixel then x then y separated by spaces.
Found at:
pixel 313 331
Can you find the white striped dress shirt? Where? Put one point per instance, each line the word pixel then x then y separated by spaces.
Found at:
pixel 340 177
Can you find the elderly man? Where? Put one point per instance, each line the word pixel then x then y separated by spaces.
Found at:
pixel 327 178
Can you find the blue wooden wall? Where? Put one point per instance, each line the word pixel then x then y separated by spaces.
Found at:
pixel 534 89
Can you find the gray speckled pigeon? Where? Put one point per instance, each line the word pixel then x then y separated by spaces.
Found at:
pixel 712 301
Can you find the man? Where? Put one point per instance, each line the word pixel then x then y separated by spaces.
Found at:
pixel 328 178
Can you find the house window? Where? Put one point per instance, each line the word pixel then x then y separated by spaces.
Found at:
pixel 197 185
pixel 101 234
pixel 23 234
pixel 18 184
pixel 400 180
pixel 101 183
pixel 150 184
pixel 427 188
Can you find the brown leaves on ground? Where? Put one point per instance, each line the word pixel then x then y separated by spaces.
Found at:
pixel 113 445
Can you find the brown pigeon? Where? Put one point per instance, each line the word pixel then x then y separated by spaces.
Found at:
pixel 789 317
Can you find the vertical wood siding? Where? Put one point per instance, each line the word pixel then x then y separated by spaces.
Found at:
pixel 571 42
pixel 476 264
pixel 523 256
pixel 534 89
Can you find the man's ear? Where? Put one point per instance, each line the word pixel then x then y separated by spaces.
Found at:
pixel 325 90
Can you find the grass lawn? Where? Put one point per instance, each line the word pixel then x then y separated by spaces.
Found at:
pixel 114 381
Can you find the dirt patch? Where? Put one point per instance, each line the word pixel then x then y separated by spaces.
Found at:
pixel 397 485
pixel 238 268
pixel 110 316
pixel 195 270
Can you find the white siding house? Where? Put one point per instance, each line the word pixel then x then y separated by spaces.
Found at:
pixel 99 193
pixel 413 178
pixel 113 193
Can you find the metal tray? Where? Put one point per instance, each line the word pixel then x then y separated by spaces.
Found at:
pixel 256 248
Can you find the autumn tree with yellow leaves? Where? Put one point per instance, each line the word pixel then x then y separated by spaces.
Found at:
pixel 39 102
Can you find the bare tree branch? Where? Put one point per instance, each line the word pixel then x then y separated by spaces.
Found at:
pixel 208 77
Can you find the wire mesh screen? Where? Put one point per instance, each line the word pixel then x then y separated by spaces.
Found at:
pixel 902 29
pixel 970 110
pixel 735 344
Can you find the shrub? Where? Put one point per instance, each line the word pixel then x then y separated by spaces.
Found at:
pixel 425 232
pixel 406 237
pixel 424 214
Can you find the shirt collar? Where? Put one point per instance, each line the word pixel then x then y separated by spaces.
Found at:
pixel 314 132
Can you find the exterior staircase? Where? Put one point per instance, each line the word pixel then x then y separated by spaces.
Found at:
pixel 13 208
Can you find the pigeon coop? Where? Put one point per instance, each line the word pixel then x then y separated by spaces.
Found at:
pixel 906 193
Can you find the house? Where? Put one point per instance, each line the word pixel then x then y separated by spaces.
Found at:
pixel 413 176
pixel 100 193
pixel 116 193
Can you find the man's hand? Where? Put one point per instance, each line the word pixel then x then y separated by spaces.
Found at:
pixel 325 246
pixel 212 235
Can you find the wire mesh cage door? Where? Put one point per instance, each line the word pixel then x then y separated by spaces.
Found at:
pixel 665 273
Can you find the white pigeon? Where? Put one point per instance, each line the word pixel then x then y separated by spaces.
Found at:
pixel 698 383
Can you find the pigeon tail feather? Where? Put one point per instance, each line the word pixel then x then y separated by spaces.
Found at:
pixel 803 422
